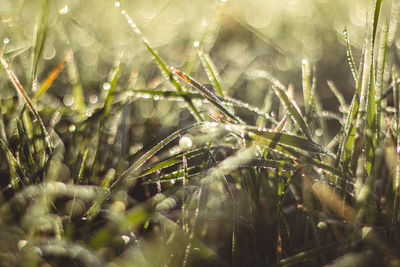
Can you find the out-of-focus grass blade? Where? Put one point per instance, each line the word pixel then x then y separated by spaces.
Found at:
pixel 52 76
pixel 350 57
pixel 163 67
pixel 18 87
pixel 41 33
pixel 337 94
pixel 207 93
pixel 290 105
pixel 110 94
pixel 396 182
pixel 211 71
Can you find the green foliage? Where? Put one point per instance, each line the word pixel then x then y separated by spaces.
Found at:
pixel 123 160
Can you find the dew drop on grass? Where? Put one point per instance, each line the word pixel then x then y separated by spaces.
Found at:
pixel 117 4
pixel 68 100
pixel 318 132
pixel 63 10
pixel 6 41
pixel 196 44
pixel 126 238
pixel 185 143
pixel 106 86
pixel 71 128
pixel 93 99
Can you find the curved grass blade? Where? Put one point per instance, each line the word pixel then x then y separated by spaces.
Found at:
pixel 162 66
pixel 290 105
pixel 207 93
pixel 377 11
pixel 18 87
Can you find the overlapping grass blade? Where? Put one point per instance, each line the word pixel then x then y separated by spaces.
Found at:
pixel 211 71
pixel 206 92
pixel 290 105
pixel 18 87
pixel 131 171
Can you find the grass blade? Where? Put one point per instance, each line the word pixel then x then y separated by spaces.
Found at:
pixel 290 105
pixel 350 57
pixel 207 93
pixel 18 87
pixel 52 76
pixel 211 71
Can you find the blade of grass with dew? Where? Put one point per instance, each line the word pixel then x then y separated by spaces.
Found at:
pixel 12 166
pixel 162 66
pixel 174 96
pixel 131 171
pixel 18 87
pixel 306 82
pixel 285 139
pixel 211 71
pixel 339 96
pixel 346 148
pixel 396 182
pixel 52 76
pixel 178 158
pixel 350 58
pixel 289 104
pixel 41 33
pixel 380 80
pixel 207 93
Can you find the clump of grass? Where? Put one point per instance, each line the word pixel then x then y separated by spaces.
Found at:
pixel 237 185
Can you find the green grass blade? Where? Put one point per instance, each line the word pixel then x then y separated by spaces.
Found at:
pixel 377 11
pixel 211 71
pixel 18 87
pixel 306 81
pixel 286 139
pixel 207 93
pixel 290 105
pixel 131 171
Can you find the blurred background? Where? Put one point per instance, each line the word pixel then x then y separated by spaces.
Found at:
pixel 239 36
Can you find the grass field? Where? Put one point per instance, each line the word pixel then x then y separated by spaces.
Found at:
pixel 199 133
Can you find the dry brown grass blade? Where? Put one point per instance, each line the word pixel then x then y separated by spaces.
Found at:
pixel 52 76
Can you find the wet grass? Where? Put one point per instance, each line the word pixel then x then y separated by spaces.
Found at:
pixel 163 162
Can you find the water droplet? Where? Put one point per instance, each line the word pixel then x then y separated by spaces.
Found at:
pixel 223 1
pixel 304 61
pixel 72 128
pixel 63 10
pixel 21 244
pixel 117 4
pixel 123 12
pixel 68 100
pixel 398 149
pixel 196 44
pixel 185 143
pixel 126 238
pixel 6 41
pixel 318 132
pixel 106 86
pixel 93 99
